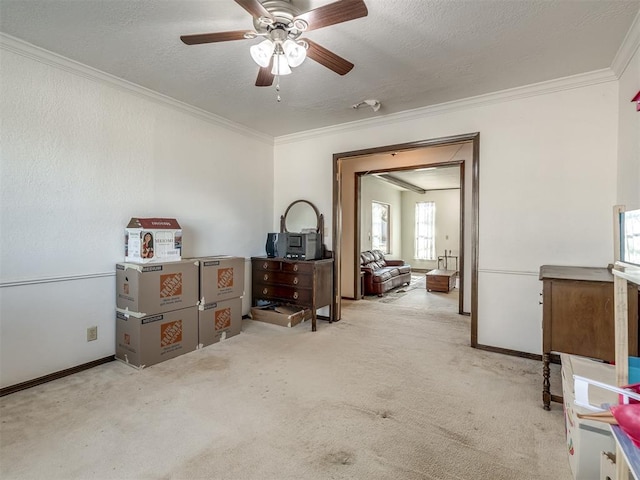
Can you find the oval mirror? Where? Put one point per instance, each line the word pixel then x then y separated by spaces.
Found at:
pixel 300 216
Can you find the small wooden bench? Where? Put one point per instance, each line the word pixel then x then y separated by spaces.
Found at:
pixel 441 280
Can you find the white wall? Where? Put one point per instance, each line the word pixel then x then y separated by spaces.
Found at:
pixel 629 135
pixel 547 186
pixel 447 226
pixel 79 158
pixel 372 188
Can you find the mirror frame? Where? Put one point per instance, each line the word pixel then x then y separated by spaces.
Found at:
pixel 319 218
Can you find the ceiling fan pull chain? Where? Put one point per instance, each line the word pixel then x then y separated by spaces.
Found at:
pixel 278 89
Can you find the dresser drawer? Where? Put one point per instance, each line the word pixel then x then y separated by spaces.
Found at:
pixel 297 267
pixel 283 278
pixel 266 265
pixel 282 292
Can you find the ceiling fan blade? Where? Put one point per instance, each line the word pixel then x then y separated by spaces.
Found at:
pixel 336 12
pixel 265 77
pixel 199 38
pixel 327 58
pixel 255 8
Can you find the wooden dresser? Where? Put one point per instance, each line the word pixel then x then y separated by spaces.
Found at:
pixel 304 283
pixel 578 317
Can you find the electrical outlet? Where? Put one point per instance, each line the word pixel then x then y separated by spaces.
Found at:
pixel 92 334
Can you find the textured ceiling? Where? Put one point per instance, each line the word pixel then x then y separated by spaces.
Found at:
pixel 407 53
pixel 444 175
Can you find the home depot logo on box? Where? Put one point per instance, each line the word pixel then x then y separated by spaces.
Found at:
pixel 225 278
pixel 171 285
pixel 170 333
pixel 223 318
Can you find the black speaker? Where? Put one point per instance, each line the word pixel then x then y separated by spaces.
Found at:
pixel 272 245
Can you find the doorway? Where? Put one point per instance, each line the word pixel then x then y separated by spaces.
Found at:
pixel 435 152
pixel 438 188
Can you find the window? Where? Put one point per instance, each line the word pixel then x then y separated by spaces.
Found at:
pixel 380 227
pixel 425 231
pixel 630 230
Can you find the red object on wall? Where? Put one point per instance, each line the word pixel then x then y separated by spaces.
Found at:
pixel 637 100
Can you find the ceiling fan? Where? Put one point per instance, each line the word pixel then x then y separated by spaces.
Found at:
pixel 281 24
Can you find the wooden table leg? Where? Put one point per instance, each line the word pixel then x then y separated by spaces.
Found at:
pixel 546 384
pixel 313 319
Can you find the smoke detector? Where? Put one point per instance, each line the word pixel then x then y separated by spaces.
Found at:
pixel 374 104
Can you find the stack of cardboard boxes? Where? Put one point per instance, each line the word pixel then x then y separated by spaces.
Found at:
pixel 157 312
pixel 220 304
pixel 167 306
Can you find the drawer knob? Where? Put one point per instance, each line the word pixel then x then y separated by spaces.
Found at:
pixel 265 265
pixel 295 295
pixel 266 277
pixel 295 268
pixel 264 291
pixel 295 280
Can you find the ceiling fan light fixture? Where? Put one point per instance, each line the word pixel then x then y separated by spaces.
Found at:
pixel 295 53
pixel 262 52
pixel 280 65
pixel 282 24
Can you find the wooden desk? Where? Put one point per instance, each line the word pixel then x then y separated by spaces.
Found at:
pixel 305 283
pixel 578 317
pixel 441 280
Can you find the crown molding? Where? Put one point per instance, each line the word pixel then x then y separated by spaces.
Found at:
pixel 624 55
pixel 629 47
pixel 543 88
pixel 33 52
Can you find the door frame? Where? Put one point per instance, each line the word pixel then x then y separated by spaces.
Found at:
pixel 339 158
pixel 358 222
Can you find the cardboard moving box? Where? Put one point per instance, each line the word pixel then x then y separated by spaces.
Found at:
pixel 152 240
pixel 221 278
pixel 282 315
pixel 144 340
pixel 156 288
pixel 219 321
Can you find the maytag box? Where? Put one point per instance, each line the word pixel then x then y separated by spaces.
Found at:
pixel 144 340
pixel 152 240
pixel 221 278
pixel 157 288
pixel 219 321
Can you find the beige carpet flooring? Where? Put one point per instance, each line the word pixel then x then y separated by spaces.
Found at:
pixel 393 391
